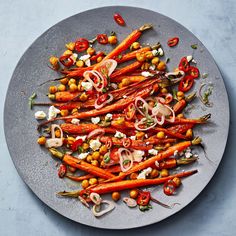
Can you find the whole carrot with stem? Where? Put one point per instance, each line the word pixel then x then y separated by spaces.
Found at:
pixel 180 105
pixel 79 178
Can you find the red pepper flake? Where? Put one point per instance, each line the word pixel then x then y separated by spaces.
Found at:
pixel 76 144
pixel 81 45
pixel 119 19
pixel 62 170
pixel 143 198
pixel 173 41
pixel 102 38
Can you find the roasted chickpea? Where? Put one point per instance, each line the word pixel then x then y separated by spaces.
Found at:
pixel 149 55
pixel 52 89
pixel 181 115
pixel 80 63
pixel 67 52
pixel 167 145
pixel 93 181
pixel 112 39
pixel 177 181
pixel 145 66
pixel 70 140
pixel 102 163
pixel 57 133
pixel 83 97
pixel 64 81
pixel 133 176
pixel 161 66
pixel 140 135
pixel 99 59
pixel 85 146
pixel 95 163
pixel 103 149
pixel 155 60
pixel 161 135
pixel 41 140
pixel 73 87
pixel 125 81
pixel 140 56
pixel 70 46
pixel 164 90
pixel 189 133
pixel 133 193
pixel 154 173
pixel 121 85
pixel 85 183
pixel 115 196
pixel 95 155
pixel 61 87
pixel 54 61
pixel 90 51
pixel 180 95
pixel 164 173
pixel 89 158
pixel 71 81
pixel 135 46
pixel 75 110
pixel 64 112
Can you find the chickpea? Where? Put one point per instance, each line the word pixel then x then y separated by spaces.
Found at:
pixel 41 140
pixel 120 121
pixel 70 140
pixel 61 87
pixel 177 181
pixel 133 176
pixel 180 95
pixel 154 173
pixel 125 81
pixel 140 56
pixel 90 51
pixel 164 173
pixel 103 149
pixel 64 81
pixel 149 55
pixel 161 135
pixel 73 87
pixel 99 59
pixel 95 155
pixel 181 115
pixel 93 181
pixel 164 90
pixel 102 163
pixel 85 183
pixel 70 46
pixel 83 97
pixel 140 135
pixel 80 63
pixel 75 110
pixel 52 89
pixel 121 85
pixel 67 52
pixel 64 112
pixel 57 133
pixel 167 145
pixel 112 39
pixel 189 133
pixel 133 193
pixel 89 158
pixel 54 61
pixel 71 81
pixel 95 163
pixel 155 60
pixel 115 196
pixel 145 66
pixel 85 146
pixel 161 66
pixel 135 46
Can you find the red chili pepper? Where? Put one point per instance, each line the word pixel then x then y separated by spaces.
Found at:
pixel 127 142
pixel 76 144
pixel 102 38
pixel 173 42
pixel 66 60
pixel 81 45
pixel 184 64
pixel 193 71
pixel 62 170
pixel 143 198
pixel 186 83
pixel 102 98
pixel 119 19
pixel 169 188
pixel 90 92
pixel 109 143
pixel 167 97
pixel 95 57
pixel 84 193
pixel 130 111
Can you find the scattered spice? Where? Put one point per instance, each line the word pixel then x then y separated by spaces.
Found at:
pixel 194 46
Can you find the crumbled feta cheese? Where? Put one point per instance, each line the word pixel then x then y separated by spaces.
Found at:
pixel 75 121
pixel 114 85
pixel 138 154
pixel 86 59
pixel 95 144
pixel 193 61
pixel 40 115
pixel 153 152
pixel 124 96
pixel 108 117
pixel 147 143
pixel 133 137
pixel 87 86
pixel 176 153
pixel 83 155
pixel 144 173
pixel 146 74
pixel 188 154
pixel 81 137
pixel 52 112
pixel 195 155
pixel 154 52
pixel 95 120
pixel 152 67
pixel 160 52
pixel 74 56
pixel 146 136
pixel 189 58
pixel 118 134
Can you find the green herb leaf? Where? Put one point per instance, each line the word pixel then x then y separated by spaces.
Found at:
pixel 104 90
pixel 194 46
pixel 174 92
pixel 204 75
pixel 167 60
pixel 119 56
pixel 145 208
pixel 125 162
pixel 80 149
pixel 113 33
pixel 31 100
pixel 107 159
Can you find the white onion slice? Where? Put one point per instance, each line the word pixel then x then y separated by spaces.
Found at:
pixel 112 66
pixel 110 207
pixel 55 142
pixel 98 76
pixel 123 157
pixel 144 106
pixel 95 198
pixel 96 132
pixel 172 119
pixel 176 73
pixel 103 104
pixel 142 121
pixel 130 202
pixel 83 201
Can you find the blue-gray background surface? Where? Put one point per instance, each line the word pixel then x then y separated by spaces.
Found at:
pixel 213 212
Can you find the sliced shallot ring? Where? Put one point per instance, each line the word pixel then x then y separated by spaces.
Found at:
pixel 96 132
pixel 55 142
pixel 95 198
pixel 97 106
pixel 130 202
pixel 128 156
pixel 110 207
pixel 83 201
pixel 176 73
pixel 109 142
pixel 142 121
pixel 145 106
pixel 172 119
pixel 98 76
pixel 112 67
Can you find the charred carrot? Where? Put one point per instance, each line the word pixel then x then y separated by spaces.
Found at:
pixel 64 96
pixel 201 120
pixel 180 128
pixel 129 78
pixel 79 178
pixel 180 105
pixel 78 72
pixel 132 184
pixel 80 164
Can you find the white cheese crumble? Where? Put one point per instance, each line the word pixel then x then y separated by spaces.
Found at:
pixel 154 52
pixel 138 154
pixel 74 56
pixel 40 115
pixel 124 96
pixel 81 137
pixel 118 134
pixel 146 74
pixel 152 67
pixel 144 173
pixel 160 52
pixel 189 58
pixel 52 112
pixel 95 144
pixel 86 59
pixel 147 143
pixel 157 164
pixel 87 86
pixel 133 137
pixel 153 152
pixel 83 155
pixel 176 153
pixel 108 117
pixel 95 120
pixel 75 121
pixel 114 85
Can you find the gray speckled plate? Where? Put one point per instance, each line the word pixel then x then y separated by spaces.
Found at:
pixel 35 165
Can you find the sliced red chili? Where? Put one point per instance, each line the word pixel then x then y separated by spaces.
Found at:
pixel 186 83
pixel 143 198
pixel 95 57
pixel 127 142
pixel 169 188
pixel 193 71
pixel 109 143
pixel 84 193
pixel 165 98
pixel 173 41
pixel 62 170
pixel 102 38
pixel 130 112
pixel 66 60
pixel 76 144
pixel 184 64
pixel 102 98
pixel 81 45
pixel 119 19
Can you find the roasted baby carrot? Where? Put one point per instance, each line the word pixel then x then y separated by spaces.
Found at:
pixel 64 96
pixel 79 178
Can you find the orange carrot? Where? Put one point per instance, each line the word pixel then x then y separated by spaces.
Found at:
pixel 129 78
pixel 79 178
pixel 181 128
pixel 64 96
pixel 132 184
pixel 179 106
